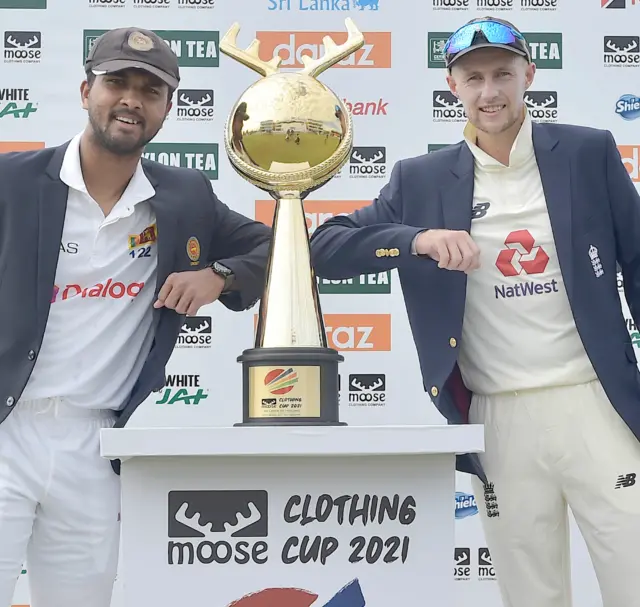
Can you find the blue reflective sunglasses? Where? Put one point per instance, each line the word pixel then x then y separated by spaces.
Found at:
pixel 493 32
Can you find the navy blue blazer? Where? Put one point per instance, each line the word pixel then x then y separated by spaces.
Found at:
pixel 33 202
pixel 591 201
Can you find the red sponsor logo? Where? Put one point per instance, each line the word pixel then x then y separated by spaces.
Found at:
pixel 521 255
pixel 106 290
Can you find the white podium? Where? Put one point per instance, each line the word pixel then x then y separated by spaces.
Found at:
pixel 289 517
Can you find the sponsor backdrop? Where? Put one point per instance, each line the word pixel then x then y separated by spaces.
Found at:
pixel 396 91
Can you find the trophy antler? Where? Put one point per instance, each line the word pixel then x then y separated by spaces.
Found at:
pixel 333 52
pixel 248 57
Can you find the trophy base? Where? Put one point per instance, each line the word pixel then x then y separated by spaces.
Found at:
pixel 290 387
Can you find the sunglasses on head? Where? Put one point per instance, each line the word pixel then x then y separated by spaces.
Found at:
pixel 493 31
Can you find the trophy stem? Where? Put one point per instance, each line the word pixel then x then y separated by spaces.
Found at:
pixel 290 315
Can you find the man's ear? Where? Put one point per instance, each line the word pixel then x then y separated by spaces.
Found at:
pixel 453 87
pixel 84 94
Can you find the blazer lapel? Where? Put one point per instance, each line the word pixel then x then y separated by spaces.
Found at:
pixel 555 172
pixel 52 207
pixel 167 228
pixel 457 195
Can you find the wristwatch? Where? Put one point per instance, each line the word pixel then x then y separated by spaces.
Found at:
pixel 224 272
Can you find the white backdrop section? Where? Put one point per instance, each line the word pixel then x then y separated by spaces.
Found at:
pixel 401 108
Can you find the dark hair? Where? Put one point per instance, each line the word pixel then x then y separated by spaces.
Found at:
pixel 91 78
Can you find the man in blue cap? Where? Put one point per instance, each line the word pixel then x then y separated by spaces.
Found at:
pixel 507 246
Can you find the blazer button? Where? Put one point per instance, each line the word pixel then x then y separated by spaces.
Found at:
pixel 434 391
pixel 31 355
pixel 10 401
pixel 452 342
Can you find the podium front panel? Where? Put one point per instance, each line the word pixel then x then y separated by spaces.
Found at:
pixel 288 531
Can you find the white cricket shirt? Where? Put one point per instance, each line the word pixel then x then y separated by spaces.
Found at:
pixel 99 329
pixel 518 331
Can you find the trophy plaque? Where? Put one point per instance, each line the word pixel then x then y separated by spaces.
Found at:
pixel 289 134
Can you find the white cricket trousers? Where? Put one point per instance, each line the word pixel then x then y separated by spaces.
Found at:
pixel 544 450
pixel 59 505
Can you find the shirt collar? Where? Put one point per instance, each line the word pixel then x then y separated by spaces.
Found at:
pixel 521 151
pixel 138 190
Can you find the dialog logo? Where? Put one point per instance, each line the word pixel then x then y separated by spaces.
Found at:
pixel 350 595
pixel 316 213
pixel 217 527
pixel 22 47
pixel 290 46
pixel 628 107
pixel 104 290
pixel 622 51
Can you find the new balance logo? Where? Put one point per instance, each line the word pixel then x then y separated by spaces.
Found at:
pixel 479 210
pixel 626 480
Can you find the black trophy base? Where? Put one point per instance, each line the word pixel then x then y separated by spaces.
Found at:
pixel 315 387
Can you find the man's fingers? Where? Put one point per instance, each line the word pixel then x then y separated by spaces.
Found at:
pixel 173 298
pixel 455 255
pixel 443 254
pixel 164 291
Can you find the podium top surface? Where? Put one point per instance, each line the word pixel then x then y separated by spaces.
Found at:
pixel 119 443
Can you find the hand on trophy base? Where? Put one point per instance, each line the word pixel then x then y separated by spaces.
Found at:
pixel 290 387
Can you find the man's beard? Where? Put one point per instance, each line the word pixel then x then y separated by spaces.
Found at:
pixel 115 146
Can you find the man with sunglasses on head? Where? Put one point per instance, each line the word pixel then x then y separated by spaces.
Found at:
pixel 507 245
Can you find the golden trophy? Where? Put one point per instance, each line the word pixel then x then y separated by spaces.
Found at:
pixel 289 134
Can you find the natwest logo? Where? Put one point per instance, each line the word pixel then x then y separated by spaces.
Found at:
pixel 521 255
pixel 316 213
pixel 106 290
pixel 291 46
